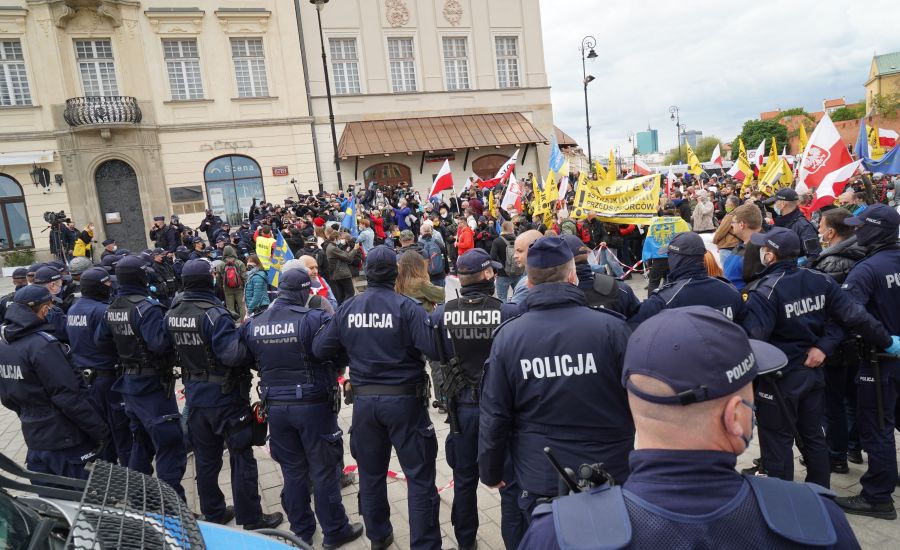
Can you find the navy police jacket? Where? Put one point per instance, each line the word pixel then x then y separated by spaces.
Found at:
pixel 384 335
pixel 554 372
pixel 691 287
pixel 281 340
pixel 696 498
pixel 790 308
pixel 38 383
pixel 89 336
pixel 874 283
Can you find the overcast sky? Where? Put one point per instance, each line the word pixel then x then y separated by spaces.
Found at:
pixel 721 66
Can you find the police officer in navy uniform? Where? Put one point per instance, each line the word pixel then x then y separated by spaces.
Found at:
pixel 601 290
pixel 62 429
pixel 215 368
pixel 552 381
pixel 302 401
pixel 146 355
pixel 874 283
pixel 466 326
pixel 786 202
pixel 385 334
pixel 689 284
pixel 692 403
pixel 94 356
pixel 797 309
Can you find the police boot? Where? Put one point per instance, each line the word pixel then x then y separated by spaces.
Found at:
pixel 383 544
pixel 356 531
pixel 859 506
pixel 266 521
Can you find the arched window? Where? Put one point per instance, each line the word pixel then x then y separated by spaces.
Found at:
pixel 486 167
pixel 15 231
pixel 387 174
pixel 232 182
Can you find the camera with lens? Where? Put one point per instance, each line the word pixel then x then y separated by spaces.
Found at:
pixel 54 218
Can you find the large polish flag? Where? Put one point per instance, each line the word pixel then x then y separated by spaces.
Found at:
pixel 825 152
pixel 443 181
pixel 833 184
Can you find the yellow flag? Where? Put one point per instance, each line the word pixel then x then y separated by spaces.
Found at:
pixel 611 174
pixel 693 162
pixel 803 138
pixel 599 171
pixel 491 208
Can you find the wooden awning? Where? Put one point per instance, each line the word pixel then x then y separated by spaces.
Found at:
pixel 563 139
pixel 408 135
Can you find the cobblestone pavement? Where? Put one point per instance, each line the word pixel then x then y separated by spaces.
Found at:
pixel 872 533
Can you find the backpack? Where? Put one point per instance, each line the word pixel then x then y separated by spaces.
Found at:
pixel 584 232
pixel 231 279
pixel 434 256
pixel 510 266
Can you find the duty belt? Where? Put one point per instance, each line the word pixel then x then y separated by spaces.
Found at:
pixel 378 389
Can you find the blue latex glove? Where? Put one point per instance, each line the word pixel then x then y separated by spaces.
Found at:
pixel 895 346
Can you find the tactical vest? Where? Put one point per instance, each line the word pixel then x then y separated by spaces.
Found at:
pixel 183 322
pixel 604 293
pixel 131 347
pixel 470 322
pixel 772 514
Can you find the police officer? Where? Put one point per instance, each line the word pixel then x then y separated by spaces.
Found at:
pixel 384 334
pixel 692 403
pixel 94 357
pixel 301 402
pixel 146 355
pixel 466 326
pixel 19 280
pixel 560 392
pixel 787 214
pixel 874 283
pixel 62 429
pixel 600 289
pixel 689 284
pixel 791 307
pixel 215 368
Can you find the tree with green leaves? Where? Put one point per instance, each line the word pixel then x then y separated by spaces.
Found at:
pixel 754 131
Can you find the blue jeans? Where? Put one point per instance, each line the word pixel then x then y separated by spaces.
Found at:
pixel 504 284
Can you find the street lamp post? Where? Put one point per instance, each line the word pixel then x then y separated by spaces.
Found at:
pixel 673 115
pixel 587 43
pixel 320 4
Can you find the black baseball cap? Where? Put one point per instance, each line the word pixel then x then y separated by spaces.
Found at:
pixel 786 194
pixel 686 244
pixel 475 261
pixel 683 347
pixel 879 215
pixel 782 240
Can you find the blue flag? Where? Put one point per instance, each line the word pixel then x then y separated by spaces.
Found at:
pixel 280 256
pixel 349 221
pixel 861 149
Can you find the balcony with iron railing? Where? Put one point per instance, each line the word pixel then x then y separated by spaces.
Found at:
pixel 102 111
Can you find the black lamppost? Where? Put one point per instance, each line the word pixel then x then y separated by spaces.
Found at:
pixel 320 4
pixel 587 43
pixel 673 115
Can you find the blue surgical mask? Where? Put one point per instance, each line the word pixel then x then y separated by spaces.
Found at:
pixel 752 407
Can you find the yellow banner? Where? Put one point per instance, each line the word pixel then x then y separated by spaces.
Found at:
pixel 624 201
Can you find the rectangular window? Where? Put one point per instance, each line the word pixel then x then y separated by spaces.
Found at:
pixel 456 63
pixel 403 64
pixel 183 68
pixel 95 64
pixel 13 79
pixel 249 67
pixel 344 65
pixel 507 61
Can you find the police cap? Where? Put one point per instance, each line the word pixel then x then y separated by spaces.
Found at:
pixel 782 240
pixel 475 261
pixel 32 295
pixel 46 275
pixel 548 252
pixel 879 215
pixel 686 244
pixel 683 347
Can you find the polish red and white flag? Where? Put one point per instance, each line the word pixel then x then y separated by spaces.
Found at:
pixel 825 153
